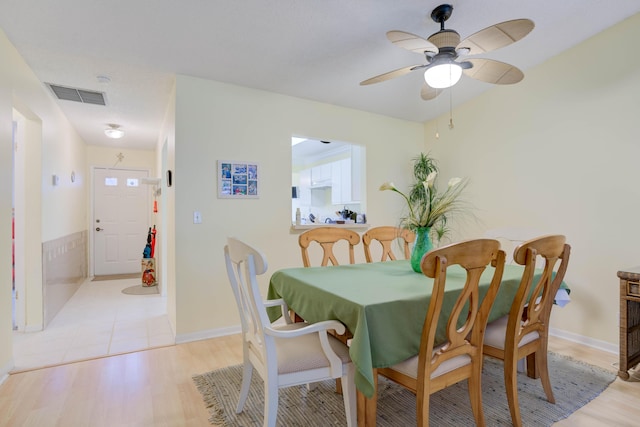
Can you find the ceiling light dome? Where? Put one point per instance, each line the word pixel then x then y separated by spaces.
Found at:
pixel 443 75
pixel 114 131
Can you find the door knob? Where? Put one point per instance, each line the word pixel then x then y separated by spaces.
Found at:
pixel 98 229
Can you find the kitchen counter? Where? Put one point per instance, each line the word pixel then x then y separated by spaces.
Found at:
pixel 357 226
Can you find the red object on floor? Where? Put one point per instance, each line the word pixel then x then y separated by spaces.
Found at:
pixel 153 241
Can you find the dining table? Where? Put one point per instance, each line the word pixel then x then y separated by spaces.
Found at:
pixel 383 305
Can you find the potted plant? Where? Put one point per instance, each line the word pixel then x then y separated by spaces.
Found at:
pixel 428 210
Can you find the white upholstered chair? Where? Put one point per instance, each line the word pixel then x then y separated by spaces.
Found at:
pixel 290 355
pixel 524 331
pixel 439 365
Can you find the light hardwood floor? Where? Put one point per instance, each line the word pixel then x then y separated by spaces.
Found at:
pixel 154 388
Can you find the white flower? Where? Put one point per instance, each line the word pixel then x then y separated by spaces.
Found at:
pixel 426 206
pixel 454 181
pixel 388 186
pixel 431 178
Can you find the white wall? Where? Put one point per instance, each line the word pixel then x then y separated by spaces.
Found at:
pixel 63 151
pixel 165 160
pixel 559 152
pixel 216 121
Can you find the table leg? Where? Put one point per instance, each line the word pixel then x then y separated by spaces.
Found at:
pixel 367 406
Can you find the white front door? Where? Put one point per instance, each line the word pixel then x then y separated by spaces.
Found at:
pixel 120 220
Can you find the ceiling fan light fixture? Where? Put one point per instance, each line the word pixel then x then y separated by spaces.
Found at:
pixel 114 131
pixel 443 75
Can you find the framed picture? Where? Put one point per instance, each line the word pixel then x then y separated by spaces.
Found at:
pixel 237 180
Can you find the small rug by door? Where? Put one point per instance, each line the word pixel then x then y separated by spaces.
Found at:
pixel 140 290
pixel 574 385
pixel 115 277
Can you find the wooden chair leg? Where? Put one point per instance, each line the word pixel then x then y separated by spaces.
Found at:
pixel 475 395
pixel 511 385
pixel 532 367
pixel 423 406
pixel 543 369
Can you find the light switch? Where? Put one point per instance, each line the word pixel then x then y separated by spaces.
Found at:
pixel 197 217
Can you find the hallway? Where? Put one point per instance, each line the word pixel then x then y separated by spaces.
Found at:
pixel 98 320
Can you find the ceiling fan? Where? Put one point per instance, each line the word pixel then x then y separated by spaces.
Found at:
pixel 443 51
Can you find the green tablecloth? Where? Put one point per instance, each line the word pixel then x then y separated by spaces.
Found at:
pixel 383 304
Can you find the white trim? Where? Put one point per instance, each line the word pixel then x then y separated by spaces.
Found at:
pixel 33 328
pixel 211 333
pixel 581 339
pixel 4 372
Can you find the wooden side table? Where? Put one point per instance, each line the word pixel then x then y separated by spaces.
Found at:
pixel 629 320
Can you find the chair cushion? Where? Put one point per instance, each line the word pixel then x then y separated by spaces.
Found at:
pixel 410 366
pixel 280 326
pixel 305 352
pixel 496 332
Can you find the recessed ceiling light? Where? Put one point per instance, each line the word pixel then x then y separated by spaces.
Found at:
pixel 114 131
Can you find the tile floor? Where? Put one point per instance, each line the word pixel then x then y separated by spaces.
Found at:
pixel 98 320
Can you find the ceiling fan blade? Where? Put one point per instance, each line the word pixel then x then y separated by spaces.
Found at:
pixel 391 74
pixel 411 42
pixel 491 71
pixel 427 92
pixel 497 36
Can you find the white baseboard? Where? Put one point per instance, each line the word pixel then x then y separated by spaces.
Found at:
pixel 33 328
pixel 4 371
pixel 569 336
pixel 211 333
pixel 581 339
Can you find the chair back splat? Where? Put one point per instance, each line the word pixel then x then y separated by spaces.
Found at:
pixel 327 237
pixel 386 236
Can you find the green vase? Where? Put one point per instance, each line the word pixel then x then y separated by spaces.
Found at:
pixel 422 245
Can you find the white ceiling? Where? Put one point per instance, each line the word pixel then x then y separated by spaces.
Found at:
pixel 318 50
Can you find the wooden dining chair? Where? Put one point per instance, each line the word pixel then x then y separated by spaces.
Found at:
pixel 459 357
pixel 386 235
pixel 327 237
pixel 511 237
pixel 286 356
pixel 524 332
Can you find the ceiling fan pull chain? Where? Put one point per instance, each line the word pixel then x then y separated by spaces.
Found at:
pixel 451 108
pixel 437 121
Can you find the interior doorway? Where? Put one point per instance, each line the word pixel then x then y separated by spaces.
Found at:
pixel 14 314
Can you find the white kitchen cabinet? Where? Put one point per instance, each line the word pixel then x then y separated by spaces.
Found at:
pixel 321 175
pixel 356 173
pixel 304 188
pixel 341 182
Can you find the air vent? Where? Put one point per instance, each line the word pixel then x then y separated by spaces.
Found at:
pixel 77 95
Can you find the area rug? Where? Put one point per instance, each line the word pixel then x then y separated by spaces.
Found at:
pixel 115 277
pixel 574 384
pixel 140 290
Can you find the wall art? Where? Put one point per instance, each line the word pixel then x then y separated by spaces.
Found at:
pixel 237 180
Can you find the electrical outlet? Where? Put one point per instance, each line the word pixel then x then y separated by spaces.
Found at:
pixel 197 217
